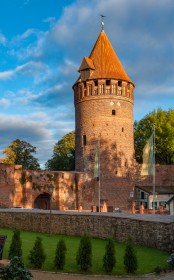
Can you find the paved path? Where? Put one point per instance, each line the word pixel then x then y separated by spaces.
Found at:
pixel 62 276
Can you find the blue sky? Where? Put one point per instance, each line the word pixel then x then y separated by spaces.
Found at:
pixel 42 43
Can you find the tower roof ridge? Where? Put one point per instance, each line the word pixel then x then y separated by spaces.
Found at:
pixel 107 64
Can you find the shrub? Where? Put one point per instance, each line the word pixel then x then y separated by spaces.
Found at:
pixel 16 245
pixel 130 259
pixel 59 260
pixel 170 261
pixel 15 270
pixel 109 256
pixel 157 270
pixel 84 253
pixel 37 256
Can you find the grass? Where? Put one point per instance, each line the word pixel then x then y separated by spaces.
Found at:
pixel 148 258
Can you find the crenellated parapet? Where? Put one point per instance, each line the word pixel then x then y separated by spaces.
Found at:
pixel 103 88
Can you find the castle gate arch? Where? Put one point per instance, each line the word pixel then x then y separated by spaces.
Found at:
pixel 42 201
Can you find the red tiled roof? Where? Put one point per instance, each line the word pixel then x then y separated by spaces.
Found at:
pixel 107 64
pixel 87 63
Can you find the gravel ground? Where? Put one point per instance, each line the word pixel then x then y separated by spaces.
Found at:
pixel 61 276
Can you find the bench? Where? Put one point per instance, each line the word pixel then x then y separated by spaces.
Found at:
pixel 2 243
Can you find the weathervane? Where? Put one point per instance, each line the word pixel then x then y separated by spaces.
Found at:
pixel 102 23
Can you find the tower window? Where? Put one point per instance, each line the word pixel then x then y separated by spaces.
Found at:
pixel 84 84
pixel 119 83
pixel 90 89
pixel 84 140
pixel 113 88
pixel 101 89
pixel 96 83
pixel 113 112
pixel 108 82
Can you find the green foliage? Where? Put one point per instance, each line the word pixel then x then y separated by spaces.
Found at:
pixel 148 258
pixel 37 255
pixel 16 245
pixel 15 270
pixel 84 253
pixel 20 152
pixel 130 258
pixel 60 254
pixel 164 135
pixel 158 269
pixel 109 259
pixel 63 154
pixel 23 178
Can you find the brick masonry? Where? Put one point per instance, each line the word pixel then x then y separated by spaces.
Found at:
pixel 149 230
pixel 103 98
pixel 72 190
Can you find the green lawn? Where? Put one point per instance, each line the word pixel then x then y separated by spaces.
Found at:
pixel 148 258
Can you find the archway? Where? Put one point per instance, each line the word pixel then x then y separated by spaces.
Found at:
pixel 42 201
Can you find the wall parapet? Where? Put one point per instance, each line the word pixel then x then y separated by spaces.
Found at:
pixel 153 231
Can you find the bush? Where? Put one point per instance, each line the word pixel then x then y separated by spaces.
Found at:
pixel 158 270
pixel 170 261
pixel 109 256
pixel 37 256
pixel 15 270
pixel 59 260
pixel 130 259
pixel 84 253
pixel 16 245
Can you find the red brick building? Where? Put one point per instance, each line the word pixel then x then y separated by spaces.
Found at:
pixel 103 98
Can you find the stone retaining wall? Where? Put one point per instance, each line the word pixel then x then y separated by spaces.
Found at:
pixel 155 232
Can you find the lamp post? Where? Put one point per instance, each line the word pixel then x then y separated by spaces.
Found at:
pixel 50 189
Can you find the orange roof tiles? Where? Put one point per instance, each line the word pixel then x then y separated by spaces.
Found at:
pixel 107 64
pixel 87 63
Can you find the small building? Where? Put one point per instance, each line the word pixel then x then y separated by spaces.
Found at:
pixel 170 204
pixel 162 197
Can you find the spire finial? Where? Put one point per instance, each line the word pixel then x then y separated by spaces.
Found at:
pixel 102 23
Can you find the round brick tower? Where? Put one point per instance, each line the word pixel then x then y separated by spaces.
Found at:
pixel 103 97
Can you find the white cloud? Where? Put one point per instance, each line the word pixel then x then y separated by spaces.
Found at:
pixel 31 68
pixel 3 39
pixel 4 102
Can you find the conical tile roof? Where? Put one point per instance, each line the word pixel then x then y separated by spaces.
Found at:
pixel 107 64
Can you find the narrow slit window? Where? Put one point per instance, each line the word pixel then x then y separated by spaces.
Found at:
pixel 96 83
pixel 113 112
pixel 122 129
pixel 84 140
pixel 119 83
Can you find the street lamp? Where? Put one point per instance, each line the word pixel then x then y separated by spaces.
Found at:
pixel 50 189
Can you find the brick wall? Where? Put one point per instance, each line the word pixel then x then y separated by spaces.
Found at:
pixel 147 230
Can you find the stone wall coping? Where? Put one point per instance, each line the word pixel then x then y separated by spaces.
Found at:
pixel 168 219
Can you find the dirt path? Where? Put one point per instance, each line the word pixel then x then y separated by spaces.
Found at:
pixel 60 276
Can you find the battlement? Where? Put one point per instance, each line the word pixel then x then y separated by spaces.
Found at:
pixel 103 88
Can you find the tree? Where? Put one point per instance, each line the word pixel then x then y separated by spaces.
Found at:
pixel 20 152
pixel 15 270
pixel 130 258
pixel 84 253
pixel 37 255
pixel 109 256
pixel 16 245
pixel 63 154
pixel 59 260
pixel 164 135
